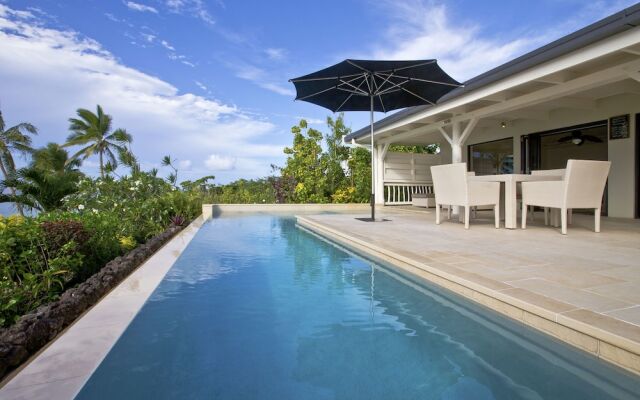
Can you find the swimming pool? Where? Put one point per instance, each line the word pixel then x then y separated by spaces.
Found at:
pixel 257 308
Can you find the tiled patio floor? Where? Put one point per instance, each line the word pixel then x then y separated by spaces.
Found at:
pixel 587 281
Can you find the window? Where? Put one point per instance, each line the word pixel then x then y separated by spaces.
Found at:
pixel 491 158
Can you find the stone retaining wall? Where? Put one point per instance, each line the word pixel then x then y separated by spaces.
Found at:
pixel 34 330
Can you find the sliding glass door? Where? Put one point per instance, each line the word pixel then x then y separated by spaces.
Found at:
pixel 552 149
pixel 491 158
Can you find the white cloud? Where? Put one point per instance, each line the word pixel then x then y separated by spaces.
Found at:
pixel 140 7
pixel 148 37
pixel 47 74
pixel 216 162
pixel 274 87
pixel 261 78
pixel 424 29
pixel 201 85
pixel 184 164
pixel 275 53
pixel 195 8
pixel 166 45
pixel 312 121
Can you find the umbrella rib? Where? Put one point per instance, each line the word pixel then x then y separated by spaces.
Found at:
pixel 352 91
pixel 323 78
pixel 356 88
pixel 348 97
pixel 385 79
pixel 375 84
pixel 384 110
pixel 415 65
pixel 316 93
pixel 394 85
pixel 430 81
pixel 368 85
pixel 359 67
pixel 418 96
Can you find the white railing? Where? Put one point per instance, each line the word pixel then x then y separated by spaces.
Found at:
pixel 400 193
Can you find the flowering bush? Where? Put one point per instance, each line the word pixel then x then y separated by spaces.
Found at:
pixel 142 204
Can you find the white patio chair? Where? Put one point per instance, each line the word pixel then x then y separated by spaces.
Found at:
pixel 582 187
pixel 552 172
pixel 474 210
pixel 453 188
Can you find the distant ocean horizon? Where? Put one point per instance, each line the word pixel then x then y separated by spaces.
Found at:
pixel 7 209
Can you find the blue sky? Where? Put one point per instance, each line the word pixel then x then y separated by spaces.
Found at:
pixel 206 81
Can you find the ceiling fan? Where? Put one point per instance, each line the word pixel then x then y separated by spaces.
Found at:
pixel 578 138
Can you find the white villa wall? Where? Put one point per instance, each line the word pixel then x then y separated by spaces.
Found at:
pixel 621 151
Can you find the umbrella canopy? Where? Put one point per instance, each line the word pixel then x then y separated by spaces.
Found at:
pixel 375 85
pixel 347 86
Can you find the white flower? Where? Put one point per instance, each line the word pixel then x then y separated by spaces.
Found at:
pixel 138 182
pixel 81 207
pixel 94 211
pixel 132 188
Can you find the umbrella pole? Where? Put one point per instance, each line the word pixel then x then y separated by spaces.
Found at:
pixel 373 171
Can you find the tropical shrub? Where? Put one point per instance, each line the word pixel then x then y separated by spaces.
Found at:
pixel 34 266
pixel 242 191
pixel 141 204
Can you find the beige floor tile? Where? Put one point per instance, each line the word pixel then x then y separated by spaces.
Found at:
pixel 631 314
pixel 625 291
pixel 578 297
pixel 538 300
pixel 631 274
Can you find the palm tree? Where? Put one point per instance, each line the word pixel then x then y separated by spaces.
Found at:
pixel 42 185
pixel 54 159
pixel 94 131
pixel 173 177
pixel 13 139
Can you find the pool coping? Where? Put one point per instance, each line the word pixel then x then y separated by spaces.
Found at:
pixel 604 344
pixel 214 210
pixel 60 370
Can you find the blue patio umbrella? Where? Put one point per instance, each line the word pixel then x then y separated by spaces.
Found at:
pixel 375 85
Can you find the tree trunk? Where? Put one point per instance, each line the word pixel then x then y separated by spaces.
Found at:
pixel 12 189
pixel 101 166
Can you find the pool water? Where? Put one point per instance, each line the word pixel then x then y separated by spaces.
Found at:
pixel 258 308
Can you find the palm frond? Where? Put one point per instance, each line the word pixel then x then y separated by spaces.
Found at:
pixel 121 136
pixel 111 157
pixel 83 153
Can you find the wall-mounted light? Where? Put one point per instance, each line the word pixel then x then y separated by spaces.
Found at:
pixel 576 140
pixel 503 124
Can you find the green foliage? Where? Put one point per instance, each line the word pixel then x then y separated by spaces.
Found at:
pixel 306 165
pixel 142 204
pixel 337 154
pixel 15 139
pixel 33 270
pixel 360 174
pixel 242 191
pixel 428 149
pixel 339 174
pixel 45 182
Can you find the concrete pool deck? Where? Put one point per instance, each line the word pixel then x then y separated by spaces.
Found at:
pixel 61 369
pixel 582 288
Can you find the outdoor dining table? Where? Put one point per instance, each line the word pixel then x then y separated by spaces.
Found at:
pixel 510 192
